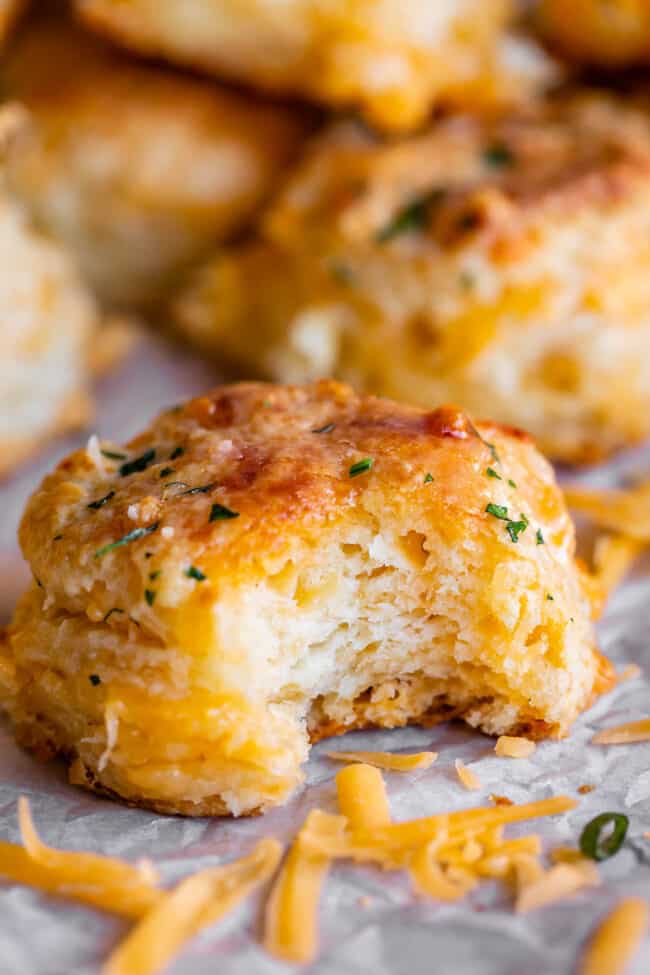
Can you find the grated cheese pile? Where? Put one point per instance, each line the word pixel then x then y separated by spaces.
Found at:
pixel 445 856
pixel 624 734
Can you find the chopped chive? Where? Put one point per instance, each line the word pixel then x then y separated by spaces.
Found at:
pixel 154 575
pixel 219 512
pixel 267 404
pixel 511 483
pixel 110 613
pixel 341 273
pixel 486 443
pixel 598 847
pixel 139 463
pixel 428 478
pixel 326 429
pixel 539 538
pixel 177 452
pixel 94 679
pixel 467 280
pixel 550 597
pixel 361 467
pixel 113 455
pixel 166 471
pixel 498 510
pixel 57 538
pixel 38 582
pixel 498 154
pixel 130 537
pixel 96 505
pixel 515 528
pixel 199 490
pixel 412 217
pixel 148 555
pixel 492 473
pixel 149 595
pixel 193 573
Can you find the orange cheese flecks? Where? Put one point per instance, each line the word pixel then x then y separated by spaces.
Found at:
pixel 469 778
pixel 555 884
pixel 624 734
pixel 509 747
pixel 291 920
pixel 362 796
pixel 617 939
pixel 195 903
pixel 388 761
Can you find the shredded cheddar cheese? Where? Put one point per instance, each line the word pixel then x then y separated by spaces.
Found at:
pixel 104 882
pixel 362 796
pixel 291 922
pixel 468 778
pixel 617 939
pixel 624 734
pixel 195 903
pixel 624 511
pixel 507 747
pixel 631 672
pixel 553 885
pixel 388 761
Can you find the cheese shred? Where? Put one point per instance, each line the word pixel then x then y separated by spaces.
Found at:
pixel 291 919
pixel 617 939
pixel 195 903
pixel 624 734
pixel 388 761
pixel 468 778
pixel 508 747
pixel 362 796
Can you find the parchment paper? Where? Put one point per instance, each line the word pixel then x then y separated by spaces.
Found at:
pixel 371 922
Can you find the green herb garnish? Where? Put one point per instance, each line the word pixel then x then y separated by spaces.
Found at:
pixel 467 280
pixel 139 463
pixel 341 273
pixel 57 538
pixel 598 847
pixel 428 478
pixel 498 154
pixel 94 679
pixel 511 483
pixel 154 575
pixel 492 473
pixel 539 538
pixel 193 573
pixel 96 505
pixel 112 455
pixel 219 512
pixel 326 429
pixel 361 467
pixel 166 471
pixel 412 217
pixel 149 595
pixel 199 490
pixel 111 611
pixel 177 452
pixel 550 597
pixel 130 537
pixel 514 528
pixel 486 443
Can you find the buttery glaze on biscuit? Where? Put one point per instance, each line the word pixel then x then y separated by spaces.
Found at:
pixel 268 565
pixel 502 264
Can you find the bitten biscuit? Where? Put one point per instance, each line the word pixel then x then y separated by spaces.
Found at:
pixel 271 565
pixel 608 33
pixel 137 169
pixel 502 264
pixel 392 59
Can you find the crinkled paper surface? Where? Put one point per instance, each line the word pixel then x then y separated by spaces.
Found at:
pixel 371 922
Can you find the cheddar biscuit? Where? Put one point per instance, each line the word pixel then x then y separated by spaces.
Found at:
pixel 266 566
pixel 392 59
pixel 502 264
pixel 137 169
pixel 610 33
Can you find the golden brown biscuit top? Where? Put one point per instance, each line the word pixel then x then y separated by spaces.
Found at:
pixel 228 485
pixel 468 176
